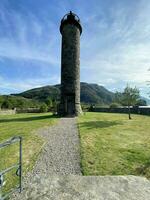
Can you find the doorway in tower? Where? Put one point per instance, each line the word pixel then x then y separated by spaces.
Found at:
pixel 70 104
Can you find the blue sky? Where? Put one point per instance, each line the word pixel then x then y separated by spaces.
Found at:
pixel 115 43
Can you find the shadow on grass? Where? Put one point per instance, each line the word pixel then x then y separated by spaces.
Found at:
pixel 99 124
pixel 28 119
pixel 142 170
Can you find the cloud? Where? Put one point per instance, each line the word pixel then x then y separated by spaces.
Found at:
pixel 28 50
pixel 118 52
pixel 25 37
pixel 115 42
pixel 20 85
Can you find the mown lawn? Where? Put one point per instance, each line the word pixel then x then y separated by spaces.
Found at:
pixel 113 145
pixel 24 125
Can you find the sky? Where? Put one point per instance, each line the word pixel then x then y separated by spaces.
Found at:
pixel 115 43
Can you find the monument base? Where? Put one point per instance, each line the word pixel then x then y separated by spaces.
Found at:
pixel 78 110
pixel 65 110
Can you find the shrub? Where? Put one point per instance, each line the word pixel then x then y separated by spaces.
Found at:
pixel 114 105
pixel 6 105
pixel 43 108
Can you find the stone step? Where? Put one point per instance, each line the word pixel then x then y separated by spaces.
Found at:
pixel 74 187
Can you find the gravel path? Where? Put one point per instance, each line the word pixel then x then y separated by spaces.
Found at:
pixel 61 154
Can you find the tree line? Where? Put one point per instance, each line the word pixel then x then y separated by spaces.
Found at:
pixel 11 102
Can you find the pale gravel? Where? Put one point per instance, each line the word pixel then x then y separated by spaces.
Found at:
pixel 61 154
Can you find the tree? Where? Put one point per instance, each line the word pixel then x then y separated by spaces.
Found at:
pixel 6 104
pixel 54 106
pixel 149 83
pixel 130 97
pixel 49 103
pixel 114 105
pixel 43 108
pixel 1 101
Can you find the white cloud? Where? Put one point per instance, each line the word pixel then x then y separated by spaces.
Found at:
pixel 13 51
pixel 24 39
pixel 119 52
pixel 21 85
pixel 115 45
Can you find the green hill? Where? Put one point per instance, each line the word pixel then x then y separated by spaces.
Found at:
pixel 90 93
pixel 93 93
pixel 42 93
pixel 9 102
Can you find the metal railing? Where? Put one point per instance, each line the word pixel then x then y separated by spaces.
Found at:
pixel 18 166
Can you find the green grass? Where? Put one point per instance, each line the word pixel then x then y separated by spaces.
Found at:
pixel 24 125
pixel 113 145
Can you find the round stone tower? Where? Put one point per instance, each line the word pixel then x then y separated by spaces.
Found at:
pixel 71 30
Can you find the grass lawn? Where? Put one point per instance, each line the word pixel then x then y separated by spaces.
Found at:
pixel 24 125
pixel 113 145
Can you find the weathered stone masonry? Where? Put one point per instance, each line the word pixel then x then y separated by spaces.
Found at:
pixel 70 29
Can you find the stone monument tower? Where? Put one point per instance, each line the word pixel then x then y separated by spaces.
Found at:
pixel 71 30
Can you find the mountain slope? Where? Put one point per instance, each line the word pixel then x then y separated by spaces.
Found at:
pixel 93 93
pixel 90 93
pixel 147 100
pixel 41 93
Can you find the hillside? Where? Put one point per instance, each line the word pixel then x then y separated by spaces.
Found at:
pixel 147 100
pixel 42 93
pixel 7 101
pixel 90 93
pixel 93 93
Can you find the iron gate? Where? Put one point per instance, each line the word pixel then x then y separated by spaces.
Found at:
pixel 18 166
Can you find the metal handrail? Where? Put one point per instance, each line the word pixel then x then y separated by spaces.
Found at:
pixel 18 165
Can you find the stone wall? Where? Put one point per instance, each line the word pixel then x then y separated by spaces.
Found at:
pixel 136 110
pixel 7 112
pixel 28 110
